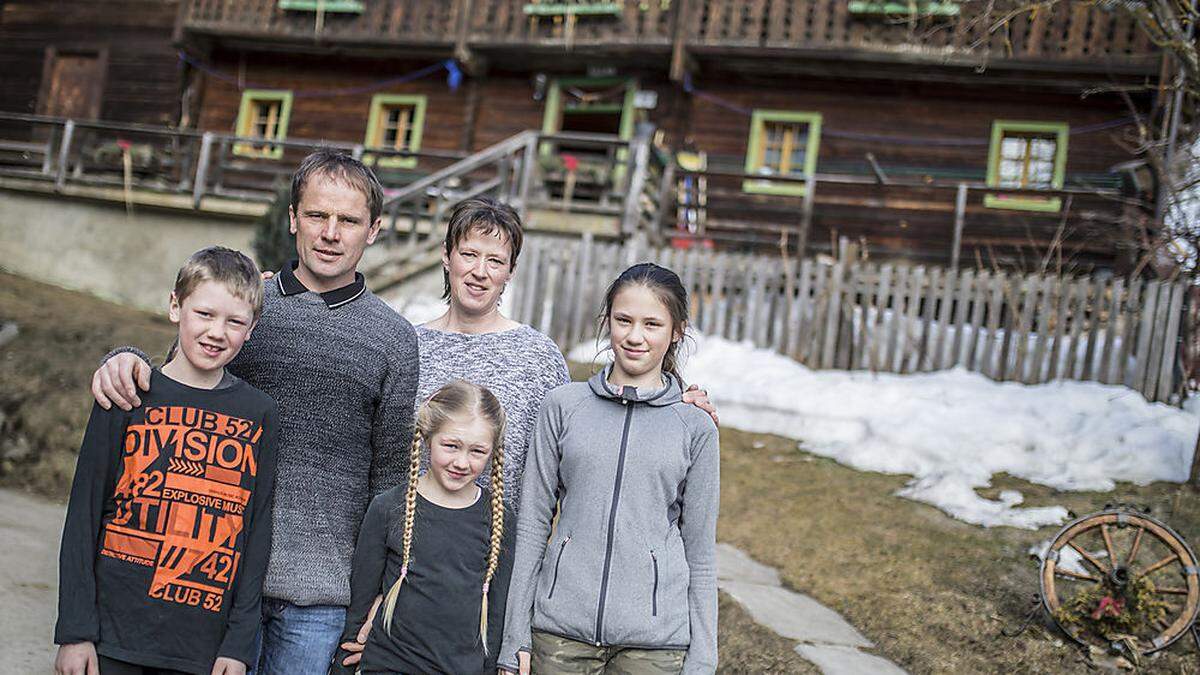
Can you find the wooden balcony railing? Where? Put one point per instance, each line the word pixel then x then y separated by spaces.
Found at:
pixel 372 21
pixel 1069 31
pixel 521 22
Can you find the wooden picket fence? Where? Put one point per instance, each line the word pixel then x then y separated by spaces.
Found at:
pixel 883 318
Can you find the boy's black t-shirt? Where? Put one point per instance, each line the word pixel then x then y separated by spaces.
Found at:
pixel 435 626
pixel 168 529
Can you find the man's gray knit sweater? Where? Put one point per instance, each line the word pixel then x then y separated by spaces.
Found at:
pixel 520 366
pixel 343 370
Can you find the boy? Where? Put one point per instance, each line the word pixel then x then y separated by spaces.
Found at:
pixel 169 523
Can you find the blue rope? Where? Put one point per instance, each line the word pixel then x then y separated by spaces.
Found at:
pixel 454 77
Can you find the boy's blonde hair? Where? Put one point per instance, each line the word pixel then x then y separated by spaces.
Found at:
pixel 455 399
pixel 230 268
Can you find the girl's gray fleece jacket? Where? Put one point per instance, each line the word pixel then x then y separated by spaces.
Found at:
pixel 631 562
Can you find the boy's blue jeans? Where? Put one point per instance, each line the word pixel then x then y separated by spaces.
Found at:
pixel 296 640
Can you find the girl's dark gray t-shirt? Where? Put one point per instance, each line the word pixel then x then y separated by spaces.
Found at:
pixel 520 366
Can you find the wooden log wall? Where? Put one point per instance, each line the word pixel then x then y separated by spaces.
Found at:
pixel 143 79
pixel 885 318
pixel 316 115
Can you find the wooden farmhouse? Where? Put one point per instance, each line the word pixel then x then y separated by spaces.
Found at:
pixel 919 131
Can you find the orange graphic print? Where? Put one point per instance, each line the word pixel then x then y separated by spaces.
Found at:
pixel 187 478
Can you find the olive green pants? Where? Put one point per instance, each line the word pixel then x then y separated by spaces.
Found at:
pixel 554 655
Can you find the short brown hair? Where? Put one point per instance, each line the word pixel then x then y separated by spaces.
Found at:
pixel 485 216
pixel 232 269
pixel 340 167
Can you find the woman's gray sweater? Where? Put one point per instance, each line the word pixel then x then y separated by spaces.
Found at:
pixel 632 560
pixel 519 366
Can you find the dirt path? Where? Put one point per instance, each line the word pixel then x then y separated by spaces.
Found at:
pixel 30 529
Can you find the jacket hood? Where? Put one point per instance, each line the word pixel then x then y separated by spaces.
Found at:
pixel 671 393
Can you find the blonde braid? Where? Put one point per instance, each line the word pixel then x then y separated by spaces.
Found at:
pixel 497 536
pixel 410 512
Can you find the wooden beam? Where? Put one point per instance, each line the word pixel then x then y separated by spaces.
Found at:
pixel 960 208
pixel 462 40
pixel 681 20
pixel 1195 475
pixel 810 189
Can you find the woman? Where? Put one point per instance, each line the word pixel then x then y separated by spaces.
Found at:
pixel 473 341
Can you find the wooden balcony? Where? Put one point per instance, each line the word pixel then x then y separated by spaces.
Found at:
pixel 367 22
pixel 1073 35
pixel 1077 32
pixel 532 23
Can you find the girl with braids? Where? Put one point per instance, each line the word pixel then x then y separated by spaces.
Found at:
pixel 435 549
pixel 626 582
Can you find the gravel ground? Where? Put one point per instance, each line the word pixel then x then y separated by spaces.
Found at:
pixel 30 529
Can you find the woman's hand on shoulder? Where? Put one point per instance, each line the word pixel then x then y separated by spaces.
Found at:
pixel 699 398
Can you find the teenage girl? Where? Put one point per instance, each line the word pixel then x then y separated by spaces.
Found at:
pixel 627 581
pixel 435 549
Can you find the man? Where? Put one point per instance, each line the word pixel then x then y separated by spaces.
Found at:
pixel 342 366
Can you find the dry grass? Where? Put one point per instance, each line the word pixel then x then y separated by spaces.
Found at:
pixel 44 401
pixel 932 592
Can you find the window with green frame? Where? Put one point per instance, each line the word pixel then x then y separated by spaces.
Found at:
pixel 263 114
pixel 1026 155
pixel 344 6
pixel 396 122
pixel 782 143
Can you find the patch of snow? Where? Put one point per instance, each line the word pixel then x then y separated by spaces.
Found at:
pixel 1068 558
pixel 951 430
pixel 419 309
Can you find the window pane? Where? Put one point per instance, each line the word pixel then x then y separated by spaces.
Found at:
pixel 396 132
pixel 777 136
pixel 1012 148
pixel 265 122
pixel 1041 174
pixel 1043 149
pixel 1010 173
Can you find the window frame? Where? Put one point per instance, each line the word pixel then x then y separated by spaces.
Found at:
pixel 419 102
pixel 245 110
pixel 754 160
pixel 1061 132
pixel 552 115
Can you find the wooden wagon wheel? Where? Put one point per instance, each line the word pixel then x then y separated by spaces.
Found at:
pixel 1116 561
